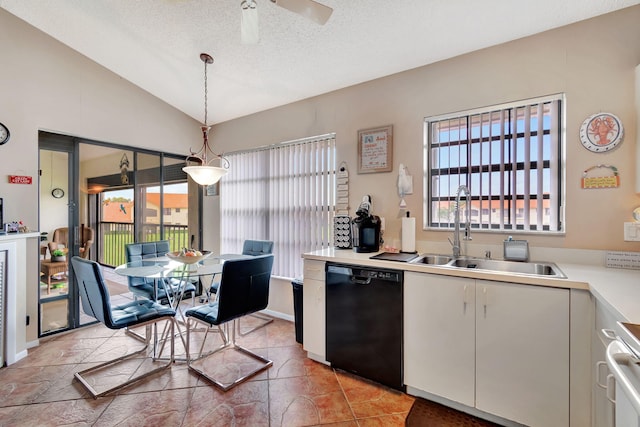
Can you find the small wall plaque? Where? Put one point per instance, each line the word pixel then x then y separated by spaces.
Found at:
pixel 601 181
pixel 375 150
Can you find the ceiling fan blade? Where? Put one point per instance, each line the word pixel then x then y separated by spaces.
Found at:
pixel 310 9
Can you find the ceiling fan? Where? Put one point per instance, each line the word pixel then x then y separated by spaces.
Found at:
pixel 310 9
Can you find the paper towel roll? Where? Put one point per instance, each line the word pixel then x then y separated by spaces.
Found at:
pixel 408 234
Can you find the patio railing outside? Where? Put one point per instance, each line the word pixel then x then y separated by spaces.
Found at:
pixel 114 235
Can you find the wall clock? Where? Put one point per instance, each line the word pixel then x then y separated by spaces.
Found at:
pixel 4 134
pixel 601 132
pixel 57 193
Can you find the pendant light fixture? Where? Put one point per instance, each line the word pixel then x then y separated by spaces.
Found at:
pixel 203 173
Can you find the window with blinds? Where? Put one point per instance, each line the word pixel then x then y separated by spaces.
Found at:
pixel 509 156
pixel 284 193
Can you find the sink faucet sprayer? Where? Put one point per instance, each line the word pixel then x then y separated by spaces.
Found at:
pixel 467 227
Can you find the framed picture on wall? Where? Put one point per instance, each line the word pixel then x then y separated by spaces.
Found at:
pixel 375 150
pixel 213 189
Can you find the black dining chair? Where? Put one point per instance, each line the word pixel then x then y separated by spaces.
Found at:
pixel 95 299
pixel 135 254
pixel 257 247
pixel 252 248
pixel 243 290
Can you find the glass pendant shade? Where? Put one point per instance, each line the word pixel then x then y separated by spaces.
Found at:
pixel 205 175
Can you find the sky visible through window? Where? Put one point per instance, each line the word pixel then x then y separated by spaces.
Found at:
pixel 180 188
pixel 485 150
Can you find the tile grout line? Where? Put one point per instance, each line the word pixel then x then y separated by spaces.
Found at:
pixel 345 397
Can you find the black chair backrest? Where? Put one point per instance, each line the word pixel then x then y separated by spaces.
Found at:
pixel 257 247
pixel 94 294
pixel 244 287
pixel 136 252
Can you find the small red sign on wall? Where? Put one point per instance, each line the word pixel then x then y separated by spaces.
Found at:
pixel 20 179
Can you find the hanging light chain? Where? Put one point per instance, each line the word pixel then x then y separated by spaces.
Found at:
pixel 206 92
pixel 207 59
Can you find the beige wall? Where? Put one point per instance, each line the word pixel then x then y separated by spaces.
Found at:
pixel 592 62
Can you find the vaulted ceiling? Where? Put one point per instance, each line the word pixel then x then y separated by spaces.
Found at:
pixel 156 44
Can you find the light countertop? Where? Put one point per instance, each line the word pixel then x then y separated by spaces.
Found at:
pixel 618 289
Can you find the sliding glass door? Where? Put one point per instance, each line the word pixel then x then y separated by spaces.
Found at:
pixel 117 195
pixel 153 204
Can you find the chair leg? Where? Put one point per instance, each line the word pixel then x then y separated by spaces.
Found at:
pixel 266 319
pixel 134 334
pixel 228 343
pixel 82 376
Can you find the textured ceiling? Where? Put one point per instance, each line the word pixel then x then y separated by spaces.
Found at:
pixel 156 44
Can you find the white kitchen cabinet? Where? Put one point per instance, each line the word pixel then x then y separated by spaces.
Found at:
pixel 439 335
pixel 522 352
pixel 314 314
pixel 502 348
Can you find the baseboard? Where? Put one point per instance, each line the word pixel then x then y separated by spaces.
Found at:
pixel 13 358
pixel 279 315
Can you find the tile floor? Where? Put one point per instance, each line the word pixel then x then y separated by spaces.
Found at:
pixel 296 391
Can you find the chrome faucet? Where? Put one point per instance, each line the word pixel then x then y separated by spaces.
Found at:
pixel 467 227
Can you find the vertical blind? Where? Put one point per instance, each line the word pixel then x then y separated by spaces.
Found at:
pixel 509 156
pixel 284 193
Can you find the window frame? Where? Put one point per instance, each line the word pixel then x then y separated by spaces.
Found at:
pixel 465 178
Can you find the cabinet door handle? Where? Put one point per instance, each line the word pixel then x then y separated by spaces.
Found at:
pixel 465 299
pixel 611 386
pixel 484 300
pixel 599 366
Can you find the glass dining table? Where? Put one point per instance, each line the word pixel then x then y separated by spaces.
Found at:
pixel 167 272
pixel 173 275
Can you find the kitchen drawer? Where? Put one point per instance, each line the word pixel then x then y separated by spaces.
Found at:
pixel 314 270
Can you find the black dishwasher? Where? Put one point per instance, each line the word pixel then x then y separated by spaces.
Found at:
pixel 364 322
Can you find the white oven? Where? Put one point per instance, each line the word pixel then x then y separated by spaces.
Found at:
pixel 623 360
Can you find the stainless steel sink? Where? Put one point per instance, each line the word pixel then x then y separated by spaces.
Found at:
pixel 432 259
pixel 546 269
pixel 535 268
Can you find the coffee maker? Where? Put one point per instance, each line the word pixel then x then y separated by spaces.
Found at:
pixel 365 228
